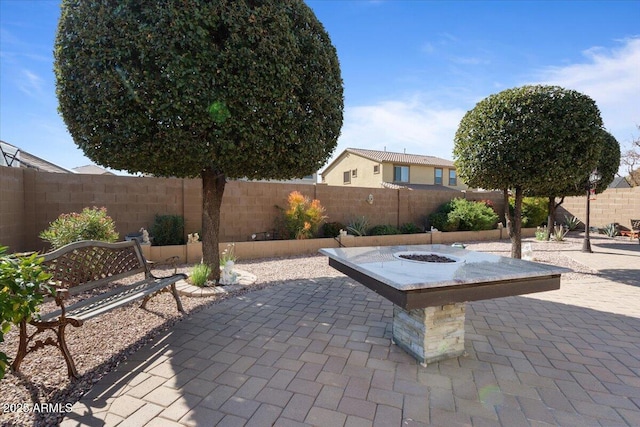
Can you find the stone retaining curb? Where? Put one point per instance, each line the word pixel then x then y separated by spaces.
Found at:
pixel 244 279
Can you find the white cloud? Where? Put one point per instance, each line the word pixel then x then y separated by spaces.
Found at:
pixel 611 78
pixel 400 125
pixel 30 83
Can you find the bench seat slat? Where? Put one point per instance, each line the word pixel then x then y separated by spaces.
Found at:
pixel 99 304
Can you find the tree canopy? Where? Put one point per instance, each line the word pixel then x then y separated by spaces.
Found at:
pixel 528 139
pixel 215 89
pixel 249 88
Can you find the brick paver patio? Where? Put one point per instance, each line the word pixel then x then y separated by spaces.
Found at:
pixel 318 352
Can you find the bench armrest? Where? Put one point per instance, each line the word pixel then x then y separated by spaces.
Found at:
pixel 171 261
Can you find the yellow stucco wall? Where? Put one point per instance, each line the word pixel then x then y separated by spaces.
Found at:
pixel 365 176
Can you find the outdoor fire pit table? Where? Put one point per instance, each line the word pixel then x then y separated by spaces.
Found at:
pixel 429 285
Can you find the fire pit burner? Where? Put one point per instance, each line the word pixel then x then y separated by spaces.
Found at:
pixel 427 258
pixel 431 257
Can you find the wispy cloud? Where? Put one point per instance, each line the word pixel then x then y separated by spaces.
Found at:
pixel 412 125
pixel 610 77
pixel 30 83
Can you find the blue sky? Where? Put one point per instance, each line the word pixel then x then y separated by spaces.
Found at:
pixel 411 69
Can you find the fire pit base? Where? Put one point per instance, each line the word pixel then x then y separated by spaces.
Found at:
pixel 430 334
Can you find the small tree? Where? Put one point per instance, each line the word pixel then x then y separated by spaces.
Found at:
pixel 608 163
pixel 524 138
pixel 213 89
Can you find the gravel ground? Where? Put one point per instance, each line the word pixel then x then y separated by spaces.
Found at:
pixel 106 341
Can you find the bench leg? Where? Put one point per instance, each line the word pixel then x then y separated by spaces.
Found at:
pixel 62 345
pixel 22 347
pixel 176 296
pixel 174 292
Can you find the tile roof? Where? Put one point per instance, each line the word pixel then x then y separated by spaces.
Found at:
pixel 390 157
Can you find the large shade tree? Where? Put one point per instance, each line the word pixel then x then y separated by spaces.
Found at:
pixel 213 89
pixel 524 138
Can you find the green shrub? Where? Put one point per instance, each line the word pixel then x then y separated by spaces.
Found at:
pixel 535 211
pixel 473 216
pixel 383 230
pixel 542 233
pixel 410 228
pixel 200 274
pixel 332 229
pixel 90 224
pixel 464 215
pixel 442 222
pixel 23 283
pixel 168 230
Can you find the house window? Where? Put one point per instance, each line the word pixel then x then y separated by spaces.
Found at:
pixel 401 174
pixel 453 180
pixel 354 173
pixel 376 169
pixel 438 177
pixel 346 177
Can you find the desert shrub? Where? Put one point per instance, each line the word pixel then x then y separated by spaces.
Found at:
pixel 303 217
pixel 571 222
pixel 358 226
pixel 464 215
pixel 610 230
pixel 90 224
pixel 168 230
pixel 410 228
pixel 23 283
pixel 332 229
pixel 383 230
pixel 535 211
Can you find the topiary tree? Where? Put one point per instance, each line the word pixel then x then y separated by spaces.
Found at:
pixel 524 139
pixel 213 89
pixel 607 163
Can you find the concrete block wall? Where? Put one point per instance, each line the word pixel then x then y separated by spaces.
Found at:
pixel 613 205
pixel 12 206
pixel 30 200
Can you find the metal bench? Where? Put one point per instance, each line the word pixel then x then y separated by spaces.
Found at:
pixel 82 267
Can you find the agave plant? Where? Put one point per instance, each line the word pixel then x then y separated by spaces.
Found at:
pixel 571 222
pixel 358 226
pixel 611 230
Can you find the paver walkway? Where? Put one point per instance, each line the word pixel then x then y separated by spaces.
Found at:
pixel 318 352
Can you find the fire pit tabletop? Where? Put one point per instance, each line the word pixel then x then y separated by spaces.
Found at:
pixel 383 264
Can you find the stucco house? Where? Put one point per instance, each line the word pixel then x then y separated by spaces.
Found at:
pixel 374 169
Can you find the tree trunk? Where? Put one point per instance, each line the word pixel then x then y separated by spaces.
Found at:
pixel 213 183
pixel 551 209
pixel 507 212
pixel 515 231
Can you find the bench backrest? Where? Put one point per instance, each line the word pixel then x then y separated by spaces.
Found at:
pixel 88 263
